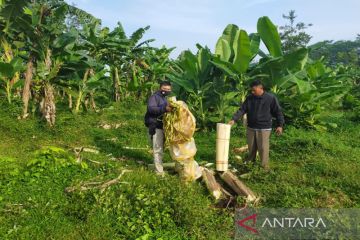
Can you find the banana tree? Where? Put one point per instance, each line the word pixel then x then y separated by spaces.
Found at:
pixel 49 54
pixel 126 58
pixel 36 25
pixel 156 66
pixel 87 87
pixel 135 65
pixel 80 78
pixel 10 67
pixel 234 51
pixel 84 63
pixel 12 14
pixel 117 46
pixel 193 76
pixel 303 86
pixel 225 106
pixel 46 71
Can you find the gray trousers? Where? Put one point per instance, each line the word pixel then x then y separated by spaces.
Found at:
pixel 157 143
pixel 258 140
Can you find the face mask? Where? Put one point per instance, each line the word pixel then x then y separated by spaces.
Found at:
pixel 165 93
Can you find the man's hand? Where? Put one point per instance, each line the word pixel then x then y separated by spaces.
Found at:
pixel 168 108
pixel 279 131
pixel 231 123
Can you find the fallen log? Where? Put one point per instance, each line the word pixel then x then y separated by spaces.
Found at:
pixel 96 185
pixel 108 126
pixel 79 150
pixel 212 185
pixel 83 187
pixel 238 186
pixel 93 161
pixel 166 166
pixel 90 150
pixel 135 148
pixel 245 176
pixel 241 149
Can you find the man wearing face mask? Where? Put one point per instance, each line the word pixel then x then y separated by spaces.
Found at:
pixel 156 107
pixel 261 107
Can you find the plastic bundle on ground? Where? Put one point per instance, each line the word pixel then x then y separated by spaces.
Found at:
pixel 179 127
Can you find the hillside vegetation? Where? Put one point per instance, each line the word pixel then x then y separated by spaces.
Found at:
pixel 309 169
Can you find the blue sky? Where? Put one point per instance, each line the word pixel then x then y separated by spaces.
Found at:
pixel 183 23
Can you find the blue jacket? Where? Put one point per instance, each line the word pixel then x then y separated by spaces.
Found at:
pixel 156 107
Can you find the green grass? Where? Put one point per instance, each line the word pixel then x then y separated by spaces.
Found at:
pixel 309 169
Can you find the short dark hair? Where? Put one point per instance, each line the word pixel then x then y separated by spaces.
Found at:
pixel 165 83
pixel 256 83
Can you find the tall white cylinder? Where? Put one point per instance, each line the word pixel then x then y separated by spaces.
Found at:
pixel 222 146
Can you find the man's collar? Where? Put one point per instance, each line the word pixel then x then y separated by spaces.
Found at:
pixel 261 96
pixel 158 92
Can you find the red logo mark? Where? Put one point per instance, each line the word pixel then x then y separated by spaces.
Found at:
pixel 251 217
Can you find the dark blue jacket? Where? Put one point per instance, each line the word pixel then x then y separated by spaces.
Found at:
pixel 260 111
pixel 156 107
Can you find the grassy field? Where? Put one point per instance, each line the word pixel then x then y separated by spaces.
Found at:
pixel 309 169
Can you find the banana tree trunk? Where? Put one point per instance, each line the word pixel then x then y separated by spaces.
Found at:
pixel 92 101
pixel 81 91
pixel 47 105
pixel 70 101
pixel 26 91
pixel 8 57
pixel 202 114
pixel 78 102
pixel 9 86
pixel 63 94
pixel 116 81
pixel 8 92
pixel 86 103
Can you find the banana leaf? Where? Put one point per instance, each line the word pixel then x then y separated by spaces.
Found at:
pixel 229 35
pixel 295 61
pixel 254 44
pixel 226 67
pixel 242 51
pixel 203 66
pixel 6 70
pixel 223 49
pixel 270 36
pixel 184 83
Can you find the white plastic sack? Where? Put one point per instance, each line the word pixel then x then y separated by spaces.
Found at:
pixel 189 170
pixel 182 151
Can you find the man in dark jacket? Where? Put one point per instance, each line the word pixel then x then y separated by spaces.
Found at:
pixel 261 107
pixel 156 107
